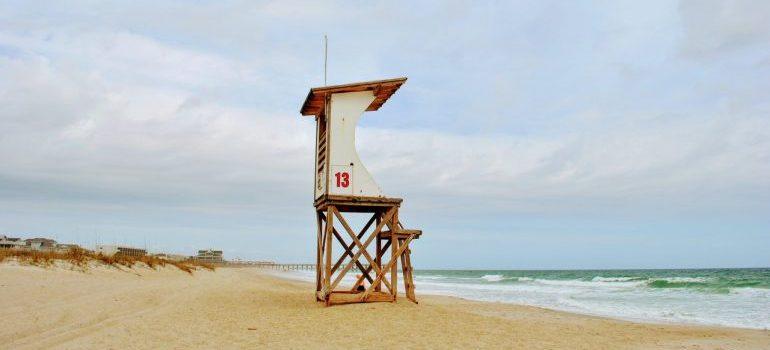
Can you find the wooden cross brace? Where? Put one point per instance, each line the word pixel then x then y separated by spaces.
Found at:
pixel 397 240
pixel 361 247
pixel 403 246
pixel 348 248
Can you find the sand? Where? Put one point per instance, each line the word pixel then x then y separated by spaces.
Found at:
pixel 141 308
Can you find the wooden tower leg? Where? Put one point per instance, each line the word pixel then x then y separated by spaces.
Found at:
pixel 318 256
pixel 378 256
pixel 406 266
pixel 394 247
pixel 378 259
pixel 328 251
pixel 394 266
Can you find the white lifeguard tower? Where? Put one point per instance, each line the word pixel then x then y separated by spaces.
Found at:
pixel 343 185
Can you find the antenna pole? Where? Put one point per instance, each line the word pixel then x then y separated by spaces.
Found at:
pixel 326 50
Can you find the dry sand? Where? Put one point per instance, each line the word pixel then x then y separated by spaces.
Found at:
pixel 246 308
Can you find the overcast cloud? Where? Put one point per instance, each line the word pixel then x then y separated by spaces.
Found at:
pixel 529 135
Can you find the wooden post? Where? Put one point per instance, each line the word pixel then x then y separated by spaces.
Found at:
pixel 406 266
pixel 318 255
pixel 328 248
pixel 394 266
pixel 394 256
pixel 378 255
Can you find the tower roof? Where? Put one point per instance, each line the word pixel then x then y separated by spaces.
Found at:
pixel 383 89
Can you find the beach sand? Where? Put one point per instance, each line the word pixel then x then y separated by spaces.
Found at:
pixel 141 308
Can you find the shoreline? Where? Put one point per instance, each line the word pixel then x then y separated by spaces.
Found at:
pixel 247 308
pixel 286 275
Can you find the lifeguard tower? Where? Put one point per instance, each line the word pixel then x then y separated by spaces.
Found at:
pixel 343 185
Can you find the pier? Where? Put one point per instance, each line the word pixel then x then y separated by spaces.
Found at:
pixel 278 266
pixel 287 267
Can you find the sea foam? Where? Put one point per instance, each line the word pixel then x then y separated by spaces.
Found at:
pixel 492 278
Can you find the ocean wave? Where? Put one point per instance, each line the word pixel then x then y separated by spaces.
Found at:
pixel 614 279
pixel 679 282
pixel 667 284
pixel 588 284
pixel 500 278
pixel 493 278
pixel 687 279
pixel 432 277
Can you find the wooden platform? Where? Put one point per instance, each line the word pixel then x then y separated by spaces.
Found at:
pixel 401 233
pixel 357 204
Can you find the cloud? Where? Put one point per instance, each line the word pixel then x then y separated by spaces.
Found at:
pixel 75 128
pixel 132 118
pixel 638 161
pixel 711 27
pixel 183 120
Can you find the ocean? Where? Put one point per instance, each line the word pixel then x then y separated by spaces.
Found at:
pixel 724 297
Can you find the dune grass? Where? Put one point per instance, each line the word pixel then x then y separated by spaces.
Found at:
pixel 81 258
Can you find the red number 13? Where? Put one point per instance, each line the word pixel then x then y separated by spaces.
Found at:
pixel 343 179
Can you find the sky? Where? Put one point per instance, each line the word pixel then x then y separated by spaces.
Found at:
pixel 530 135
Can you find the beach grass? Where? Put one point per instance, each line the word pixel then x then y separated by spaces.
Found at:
pixel 81 258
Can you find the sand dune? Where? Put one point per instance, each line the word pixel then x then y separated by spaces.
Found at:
pixel 247 308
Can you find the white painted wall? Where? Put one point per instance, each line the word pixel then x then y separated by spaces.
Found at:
pixel 107 250
pixel 347 175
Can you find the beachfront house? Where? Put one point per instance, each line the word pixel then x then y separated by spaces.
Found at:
pixel 210 256
pixel 119 250
pixel 10 242
pixel 40 243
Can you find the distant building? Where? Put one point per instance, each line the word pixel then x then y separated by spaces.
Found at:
pixel 172 257
pixel 210 256
pixel 40 243
pixel 119 250
pixel 11 243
